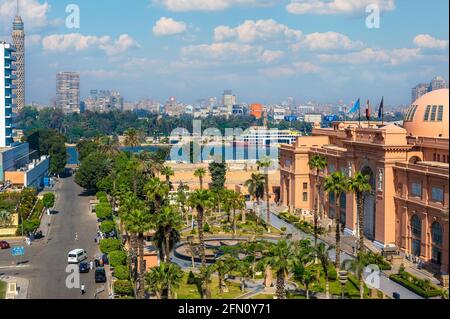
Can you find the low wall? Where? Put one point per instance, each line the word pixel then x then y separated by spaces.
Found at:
pixel 7 232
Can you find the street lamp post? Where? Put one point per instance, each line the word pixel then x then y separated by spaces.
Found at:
pixel 343 278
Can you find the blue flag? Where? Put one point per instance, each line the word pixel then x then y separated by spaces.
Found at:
pixel 381 109
pixel 356 107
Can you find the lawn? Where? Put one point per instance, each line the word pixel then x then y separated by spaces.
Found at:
pixel 2 289
pixel 192 291
pixel 263 296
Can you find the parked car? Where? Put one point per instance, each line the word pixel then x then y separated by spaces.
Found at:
pixel 76 256
pixel 84 268
pixel 100 275
pixel 4 245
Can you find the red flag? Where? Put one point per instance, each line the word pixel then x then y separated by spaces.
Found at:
pixel 368 112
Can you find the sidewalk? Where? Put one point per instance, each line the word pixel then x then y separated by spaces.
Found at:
pixel 22 285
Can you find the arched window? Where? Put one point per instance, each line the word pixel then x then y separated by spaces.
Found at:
pixel 416 226
pixel 436 233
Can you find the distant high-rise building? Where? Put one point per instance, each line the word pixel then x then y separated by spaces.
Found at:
pixel 6 94
pixel 18 36
pixel 438 83
pixel 421 89
pixel 418 91
pixel 68 91
pixel 228 100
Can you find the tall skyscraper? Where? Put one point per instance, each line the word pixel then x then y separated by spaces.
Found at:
pixel 438 83
pixel 228 100
pixel 6 96
pixel 68 92
pixel 418 91
pixel 18 36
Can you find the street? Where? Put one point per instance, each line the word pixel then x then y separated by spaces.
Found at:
pixel 44 263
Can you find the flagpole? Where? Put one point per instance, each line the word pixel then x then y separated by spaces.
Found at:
pixel 360 116
pixel 382 112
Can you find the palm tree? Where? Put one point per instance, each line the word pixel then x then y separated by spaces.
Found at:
pixel 200 200
pixel 317 163
pixel 157 193
pixel 5 217
pixel 223 266
pixel 200 173
pixel 265 164
pixel 108 146
pixel 233 201
pixel 304 275
pixel 133 138
pixel 280 260
pixel 357 265
pixel 166 276
pixel 205 278
pixel 255 187
pixel 337 184
pixel 139 221
pixel 167 221
pixel 360 185
pixel 323 254
pixel 168 172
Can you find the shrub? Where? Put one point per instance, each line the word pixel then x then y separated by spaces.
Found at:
pixel 191 280
pixel 29 226
pixel 102 197
pixel 103 211
pixel 122 272
pixel 332 273
pixel 414 284
pixel 48 200
pixel 107 226
pixel 117 258
pixel 123 287
pixel 110 244
pixel 206 228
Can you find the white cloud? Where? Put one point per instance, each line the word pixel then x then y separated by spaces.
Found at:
pixel 426 41
pixel 209 5
pixel 33 39
pixel 336 6
pixel 329 41
pixel 34 13
pixel 260 30
pixel 230 51
pixel 296 68
pixel 168 26
pixel 370 56
pixel 79 42
pixel 100 74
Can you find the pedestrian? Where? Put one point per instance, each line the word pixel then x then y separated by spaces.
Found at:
pixel 91 265
pixel 76 236
pixel 83 289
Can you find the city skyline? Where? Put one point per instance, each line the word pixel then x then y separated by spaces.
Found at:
pixel 264 53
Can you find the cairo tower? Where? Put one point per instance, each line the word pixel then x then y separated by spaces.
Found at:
pixel 18 36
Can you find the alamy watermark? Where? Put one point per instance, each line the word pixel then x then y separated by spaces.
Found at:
pixel 373 19
pixel 73 19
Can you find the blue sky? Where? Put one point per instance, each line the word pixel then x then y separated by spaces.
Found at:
pixel 264 50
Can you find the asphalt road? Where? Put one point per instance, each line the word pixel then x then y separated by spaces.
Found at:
pixel 45 262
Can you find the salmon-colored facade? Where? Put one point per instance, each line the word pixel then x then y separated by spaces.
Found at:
pixel 257 111
pixel 408 169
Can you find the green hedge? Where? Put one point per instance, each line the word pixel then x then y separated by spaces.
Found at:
pixel 49 200
pixel 107 226
pixel 122 272
pixel 110 244
pixel 123 287
pixel 117 258
pixel 103 211
pixel 412 285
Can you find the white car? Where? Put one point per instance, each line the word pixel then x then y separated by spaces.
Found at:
pixel 76 256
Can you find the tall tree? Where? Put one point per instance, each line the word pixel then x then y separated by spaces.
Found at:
pixel 337 184
pixel 168 172
pixel 318 164
pixel 323 254
pixel 157 193
pixel 139 221
pixel 200 173
pixel 166 277
pixel 360 185
pixel 265 164
pixel 200 200
pixel 233 201
pixel 218 173
pixel 281 256
pixel 168 221
pixel 133 138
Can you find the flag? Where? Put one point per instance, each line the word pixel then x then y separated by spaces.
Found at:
pixel 356 107
pixel 368 111
pixel 381 109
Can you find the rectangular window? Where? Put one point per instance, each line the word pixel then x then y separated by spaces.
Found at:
pixel 305 196
pixel 433 113
pixel 434 157
pixel 440 113
pixel 416 189
pixel 331 168
pixel 437 194
pixel 427 113
pixel 305 185
pixel 438 158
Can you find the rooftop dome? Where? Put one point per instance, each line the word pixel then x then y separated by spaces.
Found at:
pixel 428 116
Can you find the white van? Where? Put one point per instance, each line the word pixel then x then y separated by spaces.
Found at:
pixel 76 256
